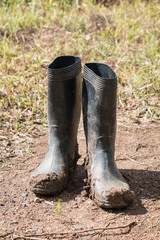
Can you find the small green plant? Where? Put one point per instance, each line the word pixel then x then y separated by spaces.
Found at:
pixel 75 224
pixel 58 211
pixel 2 227
pixel 28 150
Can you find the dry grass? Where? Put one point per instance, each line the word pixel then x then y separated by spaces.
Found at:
pixel 32 33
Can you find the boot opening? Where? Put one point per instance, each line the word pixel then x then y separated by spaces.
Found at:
pixel 63 61
pixel 102 70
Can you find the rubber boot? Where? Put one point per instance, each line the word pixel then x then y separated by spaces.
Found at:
pixel 108 188
pixel 64 106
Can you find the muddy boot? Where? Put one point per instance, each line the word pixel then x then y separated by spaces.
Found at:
pixel 107 186
pixel 64 106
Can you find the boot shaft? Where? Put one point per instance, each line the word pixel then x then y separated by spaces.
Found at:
pixel 64 101
pixel 99 106
pixel 64 90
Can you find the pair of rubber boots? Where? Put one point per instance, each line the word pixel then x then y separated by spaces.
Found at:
pixel 108 188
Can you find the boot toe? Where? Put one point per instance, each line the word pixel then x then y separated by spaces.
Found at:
pixel 48 184
pixel 114 198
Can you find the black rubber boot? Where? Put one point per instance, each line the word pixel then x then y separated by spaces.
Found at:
pixel 64 106
pixel 107 186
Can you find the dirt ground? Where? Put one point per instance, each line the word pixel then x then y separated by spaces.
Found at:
pixel 26 216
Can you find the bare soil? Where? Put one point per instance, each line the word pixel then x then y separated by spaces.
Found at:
pixel 26 216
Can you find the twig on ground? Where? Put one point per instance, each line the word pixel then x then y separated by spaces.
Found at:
pixel 26 237
pixel 135 161
pixel 49 203
pixel 26 159
pixel 34 237
pixel 5 235
pixel 122 125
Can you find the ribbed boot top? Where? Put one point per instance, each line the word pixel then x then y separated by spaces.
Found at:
pixel 100 75
pixel 64 68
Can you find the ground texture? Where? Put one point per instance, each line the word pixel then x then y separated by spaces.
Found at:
pixel 125 35
pixel 71 215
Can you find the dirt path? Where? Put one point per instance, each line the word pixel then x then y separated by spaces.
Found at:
pixel 137 156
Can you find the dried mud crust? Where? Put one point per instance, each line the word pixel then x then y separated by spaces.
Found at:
pixel 48 183
pixel 51 183
pixel 115 198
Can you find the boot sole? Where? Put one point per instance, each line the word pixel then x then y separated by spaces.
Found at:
pixel 44 192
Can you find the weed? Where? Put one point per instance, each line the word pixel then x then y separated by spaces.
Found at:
pixel 58 211
pixel 75 224
pixel 2 228
pixel 28 150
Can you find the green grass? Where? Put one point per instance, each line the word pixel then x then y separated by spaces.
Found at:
pixel 58 210
pixel 32 33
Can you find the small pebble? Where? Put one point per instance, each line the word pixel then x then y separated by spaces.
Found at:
pixel 37 200
pixel 84 193
pixel 89 227
pixel 12 201
pixel 58 230
pixel 24 205
pixel 78 228
pixel 1 179
pixel 75 206
pixel 34 229
pixel 89 201
pixel 91 233
pixel 24 194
